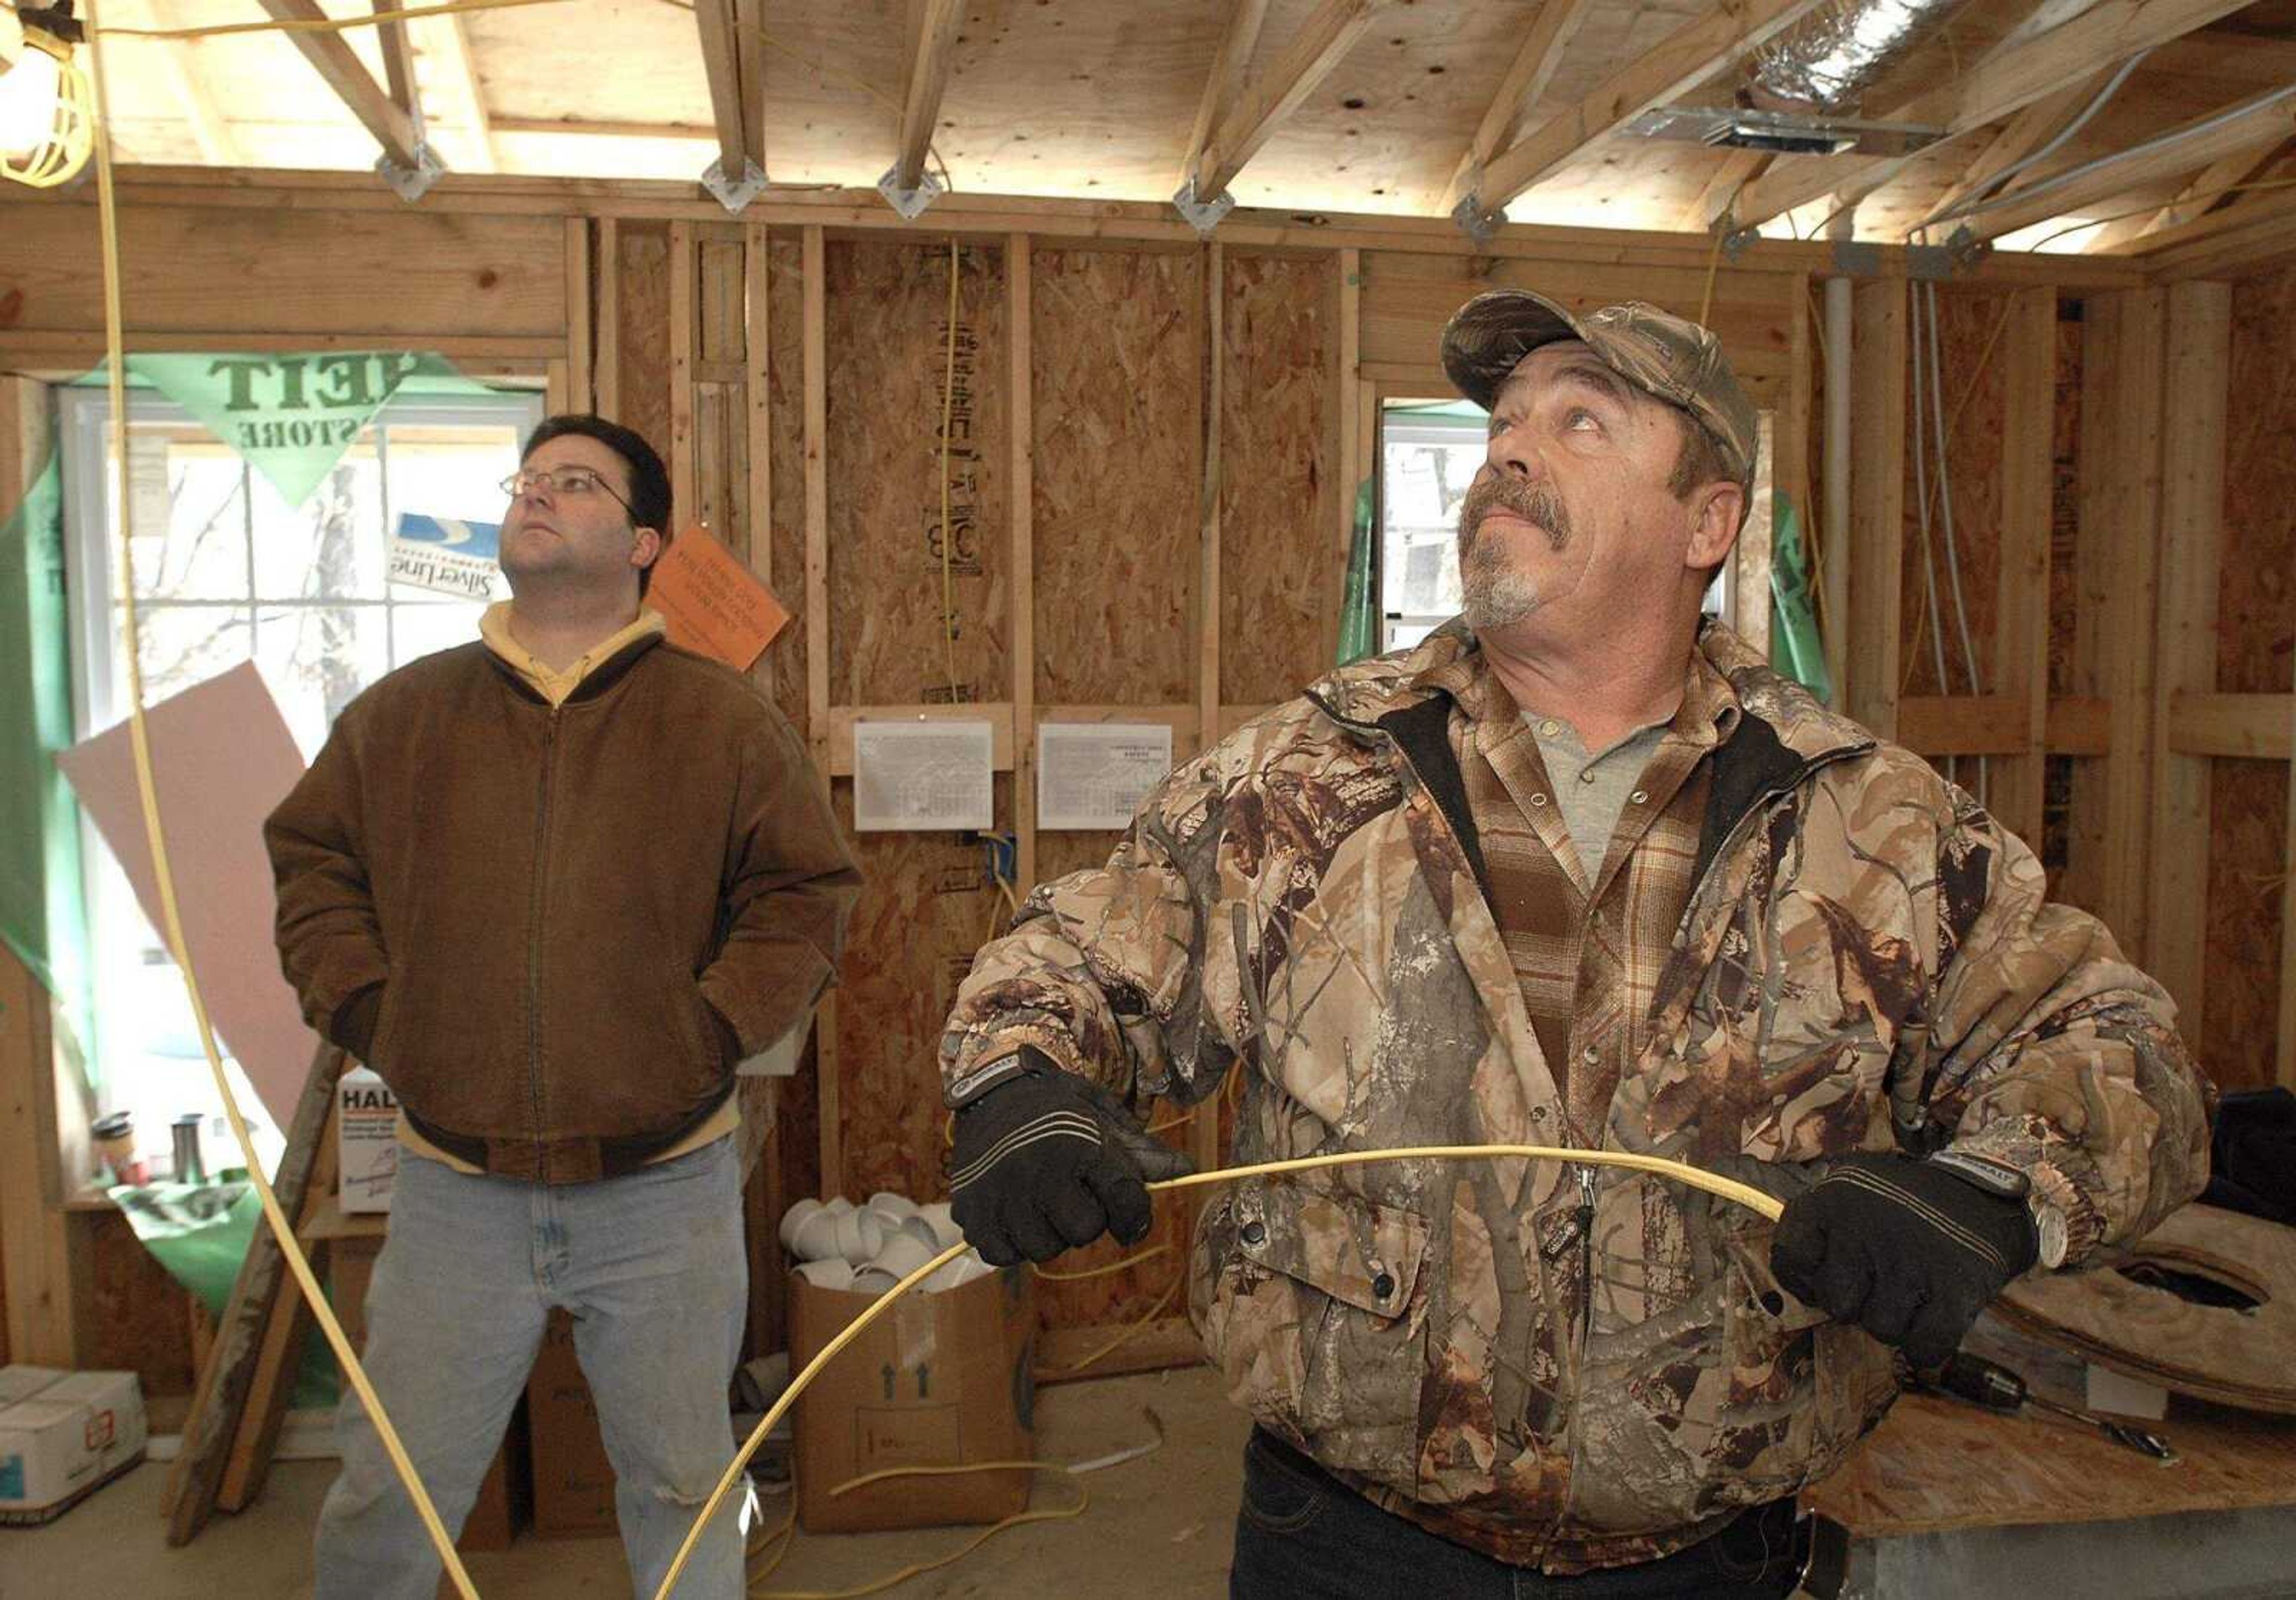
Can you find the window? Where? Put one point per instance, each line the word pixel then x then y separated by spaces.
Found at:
pixel 226 572
pixel 1429 454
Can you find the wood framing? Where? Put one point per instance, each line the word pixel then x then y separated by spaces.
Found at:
pixel 2020 640
pixel 1225 86
pixel 1875 548
pixel 756 395
pixel 2190 542
pixel 181 65
pixel 2210 185
pixel 1549 35
pixel 682 335
pixel 1020 312
pixel 816 620
pixel 2019 137
pixel 581 360
pixel 338 64
pixel 2118 570
pixel 2111 31
pixel 734 106
pixel 2243 132
pixel 1687 57
pixel 929 46
pixel 1322 42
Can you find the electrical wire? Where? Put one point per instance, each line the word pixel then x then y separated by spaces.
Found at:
pixel 1763 1205
pixel 1060 1514
pixel 163 871
pixel 2167 141
pixel 1994 184
pixel 1103 1352
pixel 413 14
pixel 947 532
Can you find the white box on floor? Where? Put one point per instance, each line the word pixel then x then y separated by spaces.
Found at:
pixel 62 1436
pixel 366 1140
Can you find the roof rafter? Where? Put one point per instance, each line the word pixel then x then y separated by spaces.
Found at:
pixel 929 48
pixel 1525 83
pixel 2111 31
pixel 2019 137
pixel 1230 68
pixel 741 142
pixel 2226 172
pixel 338 66
pixel 2249 130
pixel 1682 61
pixel 1323 41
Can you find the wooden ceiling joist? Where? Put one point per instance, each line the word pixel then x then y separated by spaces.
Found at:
pixel 740 140
pixel 2019 137
pixel 338 66
pixel 399 66
pixel 2222 243
pixel 2111 31
pixel 1230 68
pixel 929 48
pixel 1322 42
pixel 1525 83
pixel 1686 57
pixel 2248 131
pixel 1738 168
pixel 2226 173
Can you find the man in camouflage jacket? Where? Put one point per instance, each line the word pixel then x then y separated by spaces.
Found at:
pixel 1803 959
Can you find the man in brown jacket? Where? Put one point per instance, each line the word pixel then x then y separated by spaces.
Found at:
pixel 554 886
pixel 1579 870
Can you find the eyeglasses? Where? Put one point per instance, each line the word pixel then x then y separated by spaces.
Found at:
pixel 573 483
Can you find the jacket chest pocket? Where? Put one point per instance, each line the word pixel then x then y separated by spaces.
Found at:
pixel 1319 1322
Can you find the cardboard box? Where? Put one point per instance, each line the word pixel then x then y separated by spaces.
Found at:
pixel 940 1380
pixel 366 1141
pixel 63 1436
pixel 573 1480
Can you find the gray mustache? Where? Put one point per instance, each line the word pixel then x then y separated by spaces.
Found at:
pixel 1534 503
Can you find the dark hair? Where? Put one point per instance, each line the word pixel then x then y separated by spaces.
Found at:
pixel 649 495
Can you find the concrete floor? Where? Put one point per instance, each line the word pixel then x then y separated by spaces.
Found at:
pixel 1162 1526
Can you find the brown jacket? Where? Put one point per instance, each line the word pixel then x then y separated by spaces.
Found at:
pixel 663 826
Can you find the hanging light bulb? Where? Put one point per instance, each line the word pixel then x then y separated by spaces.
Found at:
pixel 48 110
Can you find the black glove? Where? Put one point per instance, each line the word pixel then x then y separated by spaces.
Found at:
pixel 1045 1160
pixel 1910 1251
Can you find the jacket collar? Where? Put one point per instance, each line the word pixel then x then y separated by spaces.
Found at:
pixel 1359 695
pixel 594 682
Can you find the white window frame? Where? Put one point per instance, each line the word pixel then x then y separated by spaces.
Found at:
pixel 91 556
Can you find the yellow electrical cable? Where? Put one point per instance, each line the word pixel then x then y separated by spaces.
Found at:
pixel 1108 1269
pixel 1062 1514
pixel 948 533
pixel 163 872
pixel 1727 1188
pixel 1103 1352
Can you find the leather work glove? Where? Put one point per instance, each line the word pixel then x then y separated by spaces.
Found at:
pixel 1045 1160
pixel 1910 1251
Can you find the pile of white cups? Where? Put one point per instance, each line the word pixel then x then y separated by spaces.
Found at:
pixel 867 1249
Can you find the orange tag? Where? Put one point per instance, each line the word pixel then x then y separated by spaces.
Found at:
pixel 713 603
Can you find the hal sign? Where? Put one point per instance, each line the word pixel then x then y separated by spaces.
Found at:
pixel 448 554
pixel 291 416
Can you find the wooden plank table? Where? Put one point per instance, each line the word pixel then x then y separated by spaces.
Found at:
pixel 1944 1498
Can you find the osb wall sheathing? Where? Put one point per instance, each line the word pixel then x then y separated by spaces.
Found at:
pixel 1118 397
pixel 887 309
pixel 1280 573
pixel 2255 632
pixel 2065 848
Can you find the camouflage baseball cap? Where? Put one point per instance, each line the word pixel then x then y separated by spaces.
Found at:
pixel 1666 355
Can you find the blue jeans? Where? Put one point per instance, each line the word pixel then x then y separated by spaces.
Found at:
pixel 651 1266
pixel 1303 1535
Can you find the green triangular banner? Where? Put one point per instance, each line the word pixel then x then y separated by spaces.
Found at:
pixel 1796 648
pixel 292 416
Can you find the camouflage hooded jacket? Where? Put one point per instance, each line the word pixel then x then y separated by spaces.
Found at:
pixel 1867 963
